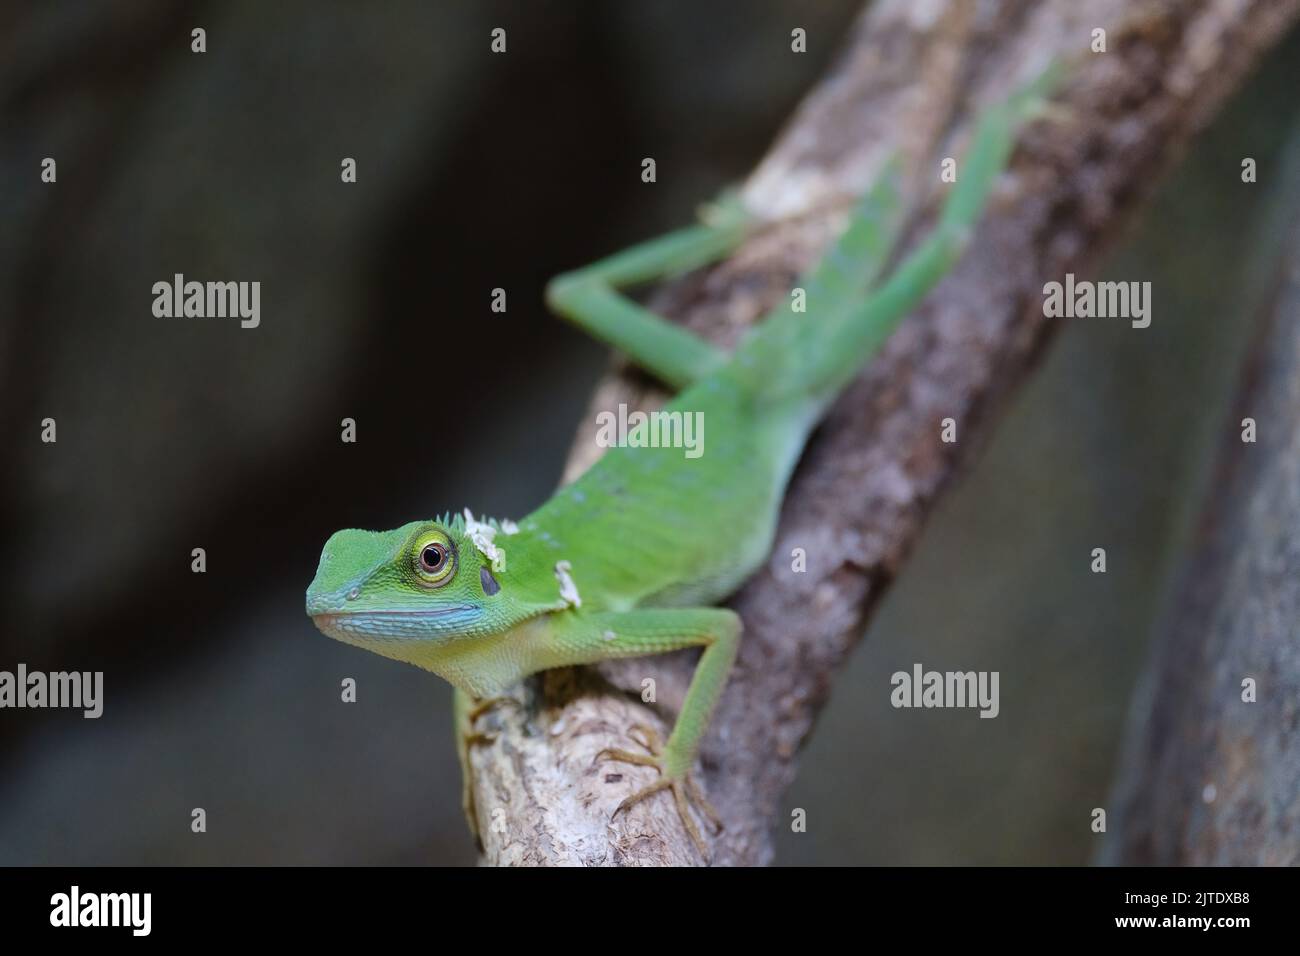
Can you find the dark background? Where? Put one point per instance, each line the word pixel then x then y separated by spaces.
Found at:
pixel 476 171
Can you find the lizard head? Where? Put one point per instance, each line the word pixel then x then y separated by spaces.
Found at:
pixel 388 586
pixel 409 592
pixel 430 592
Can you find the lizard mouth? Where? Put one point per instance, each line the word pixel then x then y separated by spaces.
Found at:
pixel 386 623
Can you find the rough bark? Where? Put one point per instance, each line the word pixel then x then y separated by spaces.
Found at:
pixel 1210 777
pixel 910 80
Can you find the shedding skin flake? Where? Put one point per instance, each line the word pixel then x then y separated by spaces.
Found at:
pixel 568 590
pixel 482 534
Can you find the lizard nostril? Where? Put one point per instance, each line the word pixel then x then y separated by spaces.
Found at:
pixel 352 595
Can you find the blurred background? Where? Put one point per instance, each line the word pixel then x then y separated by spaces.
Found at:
pixel 478 171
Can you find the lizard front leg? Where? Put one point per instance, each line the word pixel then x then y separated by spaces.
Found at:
pixel 466 710
pixel 589 638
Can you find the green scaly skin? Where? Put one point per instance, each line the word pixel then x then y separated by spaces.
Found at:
pixel 649 538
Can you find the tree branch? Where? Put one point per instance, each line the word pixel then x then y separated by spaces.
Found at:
pixel 1210 779
pixel 911 79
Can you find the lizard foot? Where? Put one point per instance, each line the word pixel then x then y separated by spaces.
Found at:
pixel 684 789
pixel 487 705
pixel 474 738
pixel 471 738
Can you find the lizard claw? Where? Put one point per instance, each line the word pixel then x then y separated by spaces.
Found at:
pixel 488 705
pixel 684 789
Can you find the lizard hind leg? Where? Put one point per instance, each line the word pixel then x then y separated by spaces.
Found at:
pixel 590 297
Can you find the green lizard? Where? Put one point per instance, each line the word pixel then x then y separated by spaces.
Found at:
pixel 626 560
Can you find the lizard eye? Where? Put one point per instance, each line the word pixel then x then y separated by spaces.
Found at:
pixel 432 557
pixel 435 559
